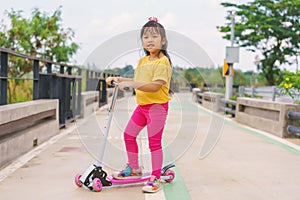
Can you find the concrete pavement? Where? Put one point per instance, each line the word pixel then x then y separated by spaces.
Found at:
pixel 243 164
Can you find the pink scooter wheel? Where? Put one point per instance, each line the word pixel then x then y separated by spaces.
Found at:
pixel 97 185
pixel 77 180
pixel 170 173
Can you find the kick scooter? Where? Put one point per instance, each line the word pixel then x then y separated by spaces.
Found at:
pixel 95 178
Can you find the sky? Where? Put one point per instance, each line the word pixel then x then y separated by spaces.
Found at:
pixel 95 22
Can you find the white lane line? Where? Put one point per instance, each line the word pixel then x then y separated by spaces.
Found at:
pixel 19 162
pixel 268 135
pixel 145 151
pixel 154 196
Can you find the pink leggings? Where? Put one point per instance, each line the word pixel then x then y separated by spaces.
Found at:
pixel 154 117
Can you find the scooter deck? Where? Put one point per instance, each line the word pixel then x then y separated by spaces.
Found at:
pixel 127 180
pixel 95 178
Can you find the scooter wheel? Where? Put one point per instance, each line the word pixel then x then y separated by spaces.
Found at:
pixel 97 185
pixel 77 180
pixel 171 174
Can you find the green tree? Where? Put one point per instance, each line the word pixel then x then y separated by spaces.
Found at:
pixel 41 35
pixel 127 71
pixel 270 27
pixel 193 77
pixel 239 78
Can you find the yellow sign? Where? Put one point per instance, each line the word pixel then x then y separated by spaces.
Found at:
pixel 227 70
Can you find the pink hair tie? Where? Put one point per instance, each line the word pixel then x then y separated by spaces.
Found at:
pixel 153 19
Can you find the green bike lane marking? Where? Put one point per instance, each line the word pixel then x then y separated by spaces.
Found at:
pixel 269 138
pixel 266 138
pixel 177 188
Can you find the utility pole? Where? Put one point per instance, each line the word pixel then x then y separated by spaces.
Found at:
pixel 232 56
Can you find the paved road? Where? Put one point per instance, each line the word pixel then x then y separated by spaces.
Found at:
pixel 216 158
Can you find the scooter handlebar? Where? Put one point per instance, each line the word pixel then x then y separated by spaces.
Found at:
pixel 115 83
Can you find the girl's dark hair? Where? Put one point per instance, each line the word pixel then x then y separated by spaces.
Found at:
pixel 161 30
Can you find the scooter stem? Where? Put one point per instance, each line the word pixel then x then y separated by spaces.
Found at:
pixel 108 122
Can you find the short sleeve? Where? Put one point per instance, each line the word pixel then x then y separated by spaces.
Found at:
pixel 162 71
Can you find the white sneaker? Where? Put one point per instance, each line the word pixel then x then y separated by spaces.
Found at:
pixel 153 185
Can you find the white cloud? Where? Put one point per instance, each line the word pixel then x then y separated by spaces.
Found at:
pixel 103 26
pixel 95 22
pixel 169 20
pixel 117 23
pixel 149 3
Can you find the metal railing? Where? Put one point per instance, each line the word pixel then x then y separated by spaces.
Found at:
pixel 229 106
pixel 53 80
pixel 290 128
pixel 64 85
pixel 199 97
pixel 95 81
pixel 271 92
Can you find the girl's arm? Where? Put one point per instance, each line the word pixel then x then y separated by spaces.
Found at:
pixel 122 79
pixel 154 86
pixel 109 80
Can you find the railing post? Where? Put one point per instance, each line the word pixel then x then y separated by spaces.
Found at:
pixel 102 92
pixel 233 108
pixel 273 93
pixel 69 71
pixel 87 81
pixel 241 90
pixel 3 79
pixel 226 106
pixel 63 94
pixel 74 98
pixel 49 68
pixel 68 94
pixel 62 69
pixel 79 93
pixel 36 79
pixel 252 92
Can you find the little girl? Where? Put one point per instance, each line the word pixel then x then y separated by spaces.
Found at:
pixel 151 83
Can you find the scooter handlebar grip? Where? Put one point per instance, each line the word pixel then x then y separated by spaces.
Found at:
pixel 114 82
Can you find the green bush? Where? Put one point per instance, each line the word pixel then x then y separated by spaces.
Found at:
pixel 291 83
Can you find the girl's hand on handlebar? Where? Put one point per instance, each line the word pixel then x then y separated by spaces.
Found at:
pixel 109 80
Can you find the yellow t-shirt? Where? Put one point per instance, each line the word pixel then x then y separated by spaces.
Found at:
pixel 148 71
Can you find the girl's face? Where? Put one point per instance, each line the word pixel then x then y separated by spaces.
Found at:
pixel 152 40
